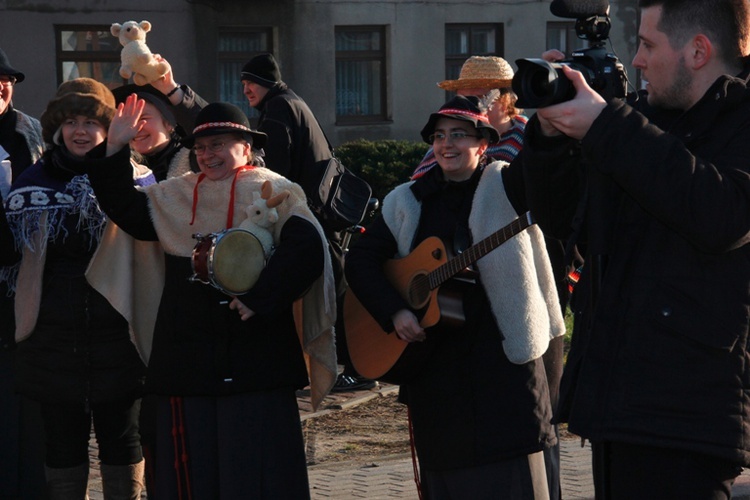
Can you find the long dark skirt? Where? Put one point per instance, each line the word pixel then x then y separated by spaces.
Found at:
pixel 240 446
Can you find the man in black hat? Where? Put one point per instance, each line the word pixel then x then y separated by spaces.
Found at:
pixel 21 440
pixel 298 149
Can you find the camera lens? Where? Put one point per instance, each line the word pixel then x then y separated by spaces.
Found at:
pixel 538 83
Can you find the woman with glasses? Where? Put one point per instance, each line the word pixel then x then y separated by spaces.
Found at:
pixel 477 396
pixel 224 365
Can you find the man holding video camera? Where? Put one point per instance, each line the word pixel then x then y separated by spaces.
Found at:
pixel 658 376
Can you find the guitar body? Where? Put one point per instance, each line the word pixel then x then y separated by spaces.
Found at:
pixel 375 352
pixel 424 280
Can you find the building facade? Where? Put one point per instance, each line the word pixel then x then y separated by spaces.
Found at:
pixel 367 68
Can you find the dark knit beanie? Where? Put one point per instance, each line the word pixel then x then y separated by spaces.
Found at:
pixel 262 70
pixel 82 96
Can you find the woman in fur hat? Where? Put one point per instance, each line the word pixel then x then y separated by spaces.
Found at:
pixel 478 401
pixel 224 366
pixel 74 353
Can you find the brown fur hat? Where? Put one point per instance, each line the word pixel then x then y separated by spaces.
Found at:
pixel 82 96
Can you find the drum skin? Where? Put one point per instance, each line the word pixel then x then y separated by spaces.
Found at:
pixel 230 260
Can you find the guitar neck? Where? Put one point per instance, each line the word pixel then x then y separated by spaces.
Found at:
pixel 441 274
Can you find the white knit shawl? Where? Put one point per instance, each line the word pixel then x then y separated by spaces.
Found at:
pixel 517 276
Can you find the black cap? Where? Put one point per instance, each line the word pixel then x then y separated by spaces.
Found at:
pixel 7 69
pixel 464 108
pixel 262 70
pixel 224 118
pixel 149 94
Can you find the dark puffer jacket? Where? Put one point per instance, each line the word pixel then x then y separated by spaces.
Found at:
pixel 662 360
pixel 80 350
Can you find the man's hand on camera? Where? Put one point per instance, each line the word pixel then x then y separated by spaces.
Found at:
pixel 553 55
pixel 572 118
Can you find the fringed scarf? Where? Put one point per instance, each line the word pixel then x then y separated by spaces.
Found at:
pixel 38 208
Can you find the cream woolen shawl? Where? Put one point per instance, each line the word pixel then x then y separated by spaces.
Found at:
pixel 517 276
pixel 136 292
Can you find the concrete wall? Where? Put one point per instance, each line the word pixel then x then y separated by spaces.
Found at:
pixel 185 32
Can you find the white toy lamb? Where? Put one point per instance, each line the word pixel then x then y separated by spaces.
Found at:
pixel 262 215
pixel 136 58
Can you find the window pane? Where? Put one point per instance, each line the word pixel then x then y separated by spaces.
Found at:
pixel 360 72
pixel 243 42
pixel 89 41
pixel 456 42
pixel 107 73
pixel 358 90
pixel 483 41
pixel 358 40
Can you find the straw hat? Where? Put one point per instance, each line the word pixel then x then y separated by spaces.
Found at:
pixel 481 72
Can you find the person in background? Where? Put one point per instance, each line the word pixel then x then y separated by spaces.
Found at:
pixel 74 352
pixel 224 367
pixel 297 148
pixel 657 376
pixel 479 77
pixel 21 431
pixel 479 401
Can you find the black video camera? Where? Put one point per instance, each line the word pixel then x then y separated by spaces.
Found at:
pixel 539 83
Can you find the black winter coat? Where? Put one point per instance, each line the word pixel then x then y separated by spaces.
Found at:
pixel 470 405
pixel 659 354
pixel 296 143
pixel 80 350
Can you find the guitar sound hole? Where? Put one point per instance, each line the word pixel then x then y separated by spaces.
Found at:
pixel 419 291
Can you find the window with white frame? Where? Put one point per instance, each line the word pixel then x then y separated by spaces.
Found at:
pixel 88 51
pixel 360 74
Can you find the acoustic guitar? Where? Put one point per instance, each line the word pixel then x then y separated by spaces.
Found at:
pixel 420 278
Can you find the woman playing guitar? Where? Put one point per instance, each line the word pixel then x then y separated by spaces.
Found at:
pixel 479 402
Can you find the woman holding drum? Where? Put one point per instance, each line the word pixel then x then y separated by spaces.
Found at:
pixel 225 368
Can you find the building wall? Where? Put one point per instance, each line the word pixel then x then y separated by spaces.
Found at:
pixel 185 32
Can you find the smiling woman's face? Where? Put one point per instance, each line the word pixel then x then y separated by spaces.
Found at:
pixel 81 134
pixel 457 157
pixel 219 155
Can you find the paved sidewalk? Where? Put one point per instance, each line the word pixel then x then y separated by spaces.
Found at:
pixel 392 477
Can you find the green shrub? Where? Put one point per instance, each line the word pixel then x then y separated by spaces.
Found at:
pixel 383 164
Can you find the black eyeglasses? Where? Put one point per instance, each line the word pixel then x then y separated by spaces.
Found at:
pixel 455 136
pixel 7 80
pixel 214 147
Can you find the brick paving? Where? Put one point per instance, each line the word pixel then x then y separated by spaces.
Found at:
pixel 392 477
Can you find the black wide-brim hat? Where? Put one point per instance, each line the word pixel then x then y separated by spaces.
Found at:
pixel 7 69
pixel 463 108
pixel 149 94
pixel 224 118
